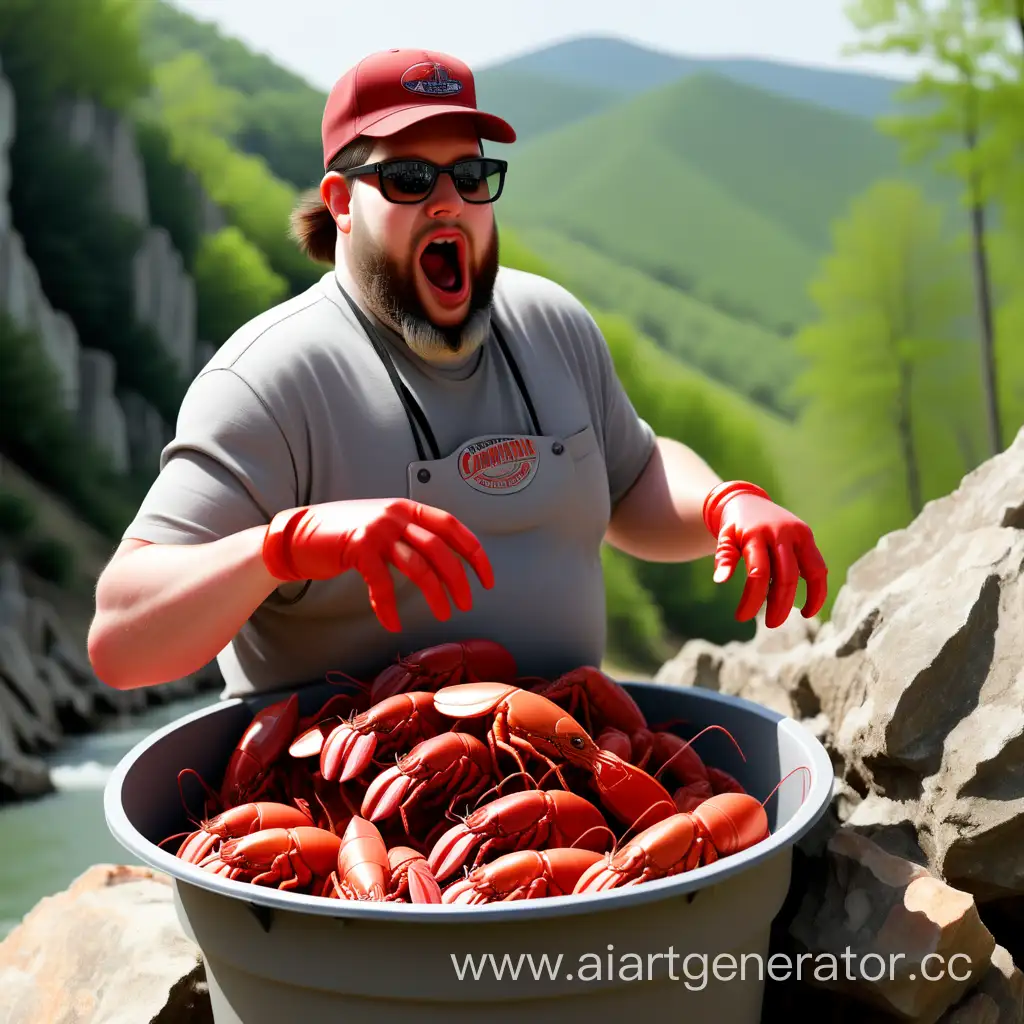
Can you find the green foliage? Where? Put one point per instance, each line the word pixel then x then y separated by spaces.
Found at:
pixel 17 515
pixel 891 393
pixel 636 632
pixel 85 47
pixel 200 117
pixel 234 283
pixel 172 191
pixel 39 435
pixel 973 89
pixel 277 114
pixel 51 560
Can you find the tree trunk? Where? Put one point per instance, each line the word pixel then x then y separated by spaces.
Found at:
pixel 983 289
pixel 905 432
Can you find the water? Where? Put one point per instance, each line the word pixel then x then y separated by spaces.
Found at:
pixel 45 844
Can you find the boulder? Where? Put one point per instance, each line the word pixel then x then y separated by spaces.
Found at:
pixel 882 928
pixel 107 950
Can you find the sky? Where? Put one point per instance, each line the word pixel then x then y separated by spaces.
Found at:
pixel 320 39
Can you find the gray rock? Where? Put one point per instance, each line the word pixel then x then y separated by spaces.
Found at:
pixel 146 433
pixel 107 950
pixel 100 416
pixel 111 140
pixel 900 924
pixel 997 999
pixel 21 296
pixel 165 297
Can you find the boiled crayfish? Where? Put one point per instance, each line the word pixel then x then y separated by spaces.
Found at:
pixel 447 779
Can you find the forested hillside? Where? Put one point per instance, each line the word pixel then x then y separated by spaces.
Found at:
pixel 778 289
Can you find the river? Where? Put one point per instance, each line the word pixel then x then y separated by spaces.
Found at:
pixel 45 844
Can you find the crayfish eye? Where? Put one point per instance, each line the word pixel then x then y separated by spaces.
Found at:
pixel 577 742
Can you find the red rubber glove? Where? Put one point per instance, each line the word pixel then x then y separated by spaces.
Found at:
pixel 319 542
pixel 777 547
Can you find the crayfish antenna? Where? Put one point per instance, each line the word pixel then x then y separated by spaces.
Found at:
pixel 689 742
pixel 211 795
pixel 359 684
pixel 803 792
pixel 554 769
pixel 498 785
pixel 636 823
pixel 596 828
pixel 177 835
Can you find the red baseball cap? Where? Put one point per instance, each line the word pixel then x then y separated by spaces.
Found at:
pixel 393 89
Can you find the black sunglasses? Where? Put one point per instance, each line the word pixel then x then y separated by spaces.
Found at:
pixel 478 179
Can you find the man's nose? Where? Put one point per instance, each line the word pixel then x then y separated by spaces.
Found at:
pixel 445 199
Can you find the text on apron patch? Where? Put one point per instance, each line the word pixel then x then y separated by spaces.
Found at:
pixel 500 465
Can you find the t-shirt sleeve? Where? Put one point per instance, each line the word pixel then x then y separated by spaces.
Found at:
pixel 229 467
pixel 628 439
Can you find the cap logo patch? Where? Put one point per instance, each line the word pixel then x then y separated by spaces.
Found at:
pixel 431 79
pixel 498 465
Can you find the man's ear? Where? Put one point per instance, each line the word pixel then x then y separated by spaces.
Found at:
pixel 337 198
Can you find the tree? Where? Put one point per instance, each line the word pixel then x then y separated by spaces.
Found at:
pixel 234 283
pixel 883 374
pixel 967 44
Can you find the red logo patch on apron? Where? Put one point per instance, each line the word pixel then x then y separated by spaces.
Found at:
pixel 498 465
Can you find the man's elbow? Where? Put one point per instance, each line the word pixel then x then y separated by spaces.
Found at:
pixel 102 650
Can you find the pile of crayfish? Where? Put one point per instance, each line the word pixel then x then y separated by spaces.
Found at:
pixel 358 800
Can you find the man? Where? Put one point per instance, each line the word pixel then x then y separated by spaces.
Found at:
pixel 348 453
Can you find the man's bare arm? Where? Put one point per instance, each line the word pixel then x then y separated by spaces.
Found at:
pixel 165 610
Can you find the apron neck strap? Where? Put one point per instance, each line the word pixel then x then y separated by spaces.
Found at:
pixel 413 410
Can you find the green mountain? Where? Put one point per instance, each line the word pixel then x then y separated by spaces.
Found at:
pixel 535 104
pixel 721 190
pixel 614 65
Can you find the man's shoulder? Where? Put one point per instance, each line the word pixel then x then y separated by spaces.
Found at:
pixel 525 293
pixel 547 317
pixel 282 335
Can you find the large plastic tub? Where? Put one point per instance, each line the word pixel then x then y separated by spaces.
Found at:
pixel 695 944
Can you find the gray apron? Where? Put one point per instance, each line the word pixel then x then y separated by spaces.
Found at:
pixel 539 505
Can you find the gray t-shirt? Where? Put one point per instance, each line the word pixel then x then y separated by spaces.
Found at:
pixel 297 408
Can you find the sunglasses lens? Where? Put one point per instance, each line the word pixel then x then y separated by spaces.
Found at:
pixel 408 179
pixel 478 181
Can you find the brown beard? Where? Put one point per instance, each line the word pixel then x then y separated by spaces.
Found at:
pixel 389 289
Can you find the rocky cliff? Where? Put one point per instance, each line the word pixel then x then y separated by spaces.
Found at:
pixel 47 687
pixel 119 421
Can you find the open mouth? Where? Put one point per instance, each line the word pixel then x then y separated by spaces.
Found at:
pixel 441 261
